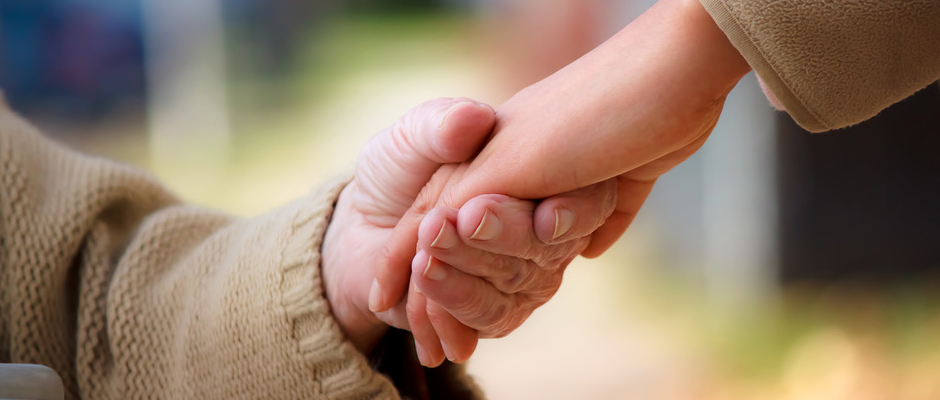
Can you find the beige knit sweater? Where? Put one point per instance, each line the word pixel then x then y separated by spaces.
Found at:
pixel 129 294
pixel 834 63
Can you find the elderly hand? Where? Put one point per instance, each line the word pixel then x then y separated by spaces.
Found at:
pixel 394 171
pixel 481 270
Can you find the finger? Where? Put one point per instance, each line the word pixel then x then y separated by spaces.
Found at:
pixel 608 234
pixel 391 279
pixel 472 300
pixel 396 163
pixel 575 214
pixel 438 237
pixel 631 194
pixel 458 340
pixel 654 169
pixel 440 131
pixel 392 271
pixel 427 343
pixel 396 316
pixel 504 225
pixel 633 189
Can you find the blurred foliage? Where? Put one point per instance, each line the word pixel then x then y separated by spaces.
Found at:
pixel 833 342
pixel 344 47
pixel 845 341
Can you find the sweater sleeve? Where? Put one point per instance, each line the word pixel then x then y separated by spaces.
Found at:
pixel 835 63
pixel 127 293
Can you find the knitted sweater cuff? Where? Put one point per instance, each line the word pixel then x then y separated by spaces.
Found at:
pixel 333 362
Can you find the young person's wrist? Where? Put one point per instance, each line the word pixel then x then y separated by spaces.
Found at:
pixel 709 48
pixel 654 87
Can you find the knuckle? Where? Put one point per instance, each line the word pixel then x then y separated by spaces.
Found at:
pixel 487 317
pixel 470 305
pixel 438 316
pixel 510 323
pixel 500 333
pixel 433 192
pixel 559 255
pixel 414 309
pixel 548 259
pixel 524 276
pixel 424 202
pixel 440 104
pixel 544 291
pixel 609 188
pixel 495 318
pixel 552 284
pixel 400 135
pixel 535 250
pixel 385 259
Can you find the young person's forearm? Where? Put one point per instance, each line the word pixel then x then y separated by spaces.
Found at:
pixel 638 96
pixel 632 108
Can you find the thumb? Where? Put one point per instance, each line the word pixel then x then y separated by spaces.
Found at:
pixel 399 161
pixel 397 164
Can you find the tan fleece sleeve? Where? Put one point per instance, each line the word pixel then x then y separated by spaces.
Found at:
pixel 835 63
pixel 128 294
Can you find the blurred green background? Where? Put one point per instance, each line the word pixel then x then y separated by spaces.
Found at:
pixel 245 105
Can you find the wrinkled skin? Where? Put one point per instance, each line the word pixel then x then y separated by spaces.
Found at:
pixel 407 165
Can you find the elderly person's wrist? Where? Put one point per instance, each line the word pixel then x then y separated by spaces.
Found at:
pixel 348 300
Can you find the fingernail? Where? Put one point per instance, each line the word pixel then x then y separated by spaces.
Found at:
pixel 422 355
pixel 447 353
pixel 434 271
pixel 375 297
pixel 564 219
pixel 440 124
pixel 446 238
pixel 489 227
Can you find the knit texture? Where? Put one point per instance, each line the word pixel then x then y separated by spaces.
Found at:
pixel 835 63
pixel 129 294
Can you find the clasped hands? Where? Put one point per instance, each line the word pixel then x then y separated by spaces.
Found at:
pixel 449 272
pixel 435 235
